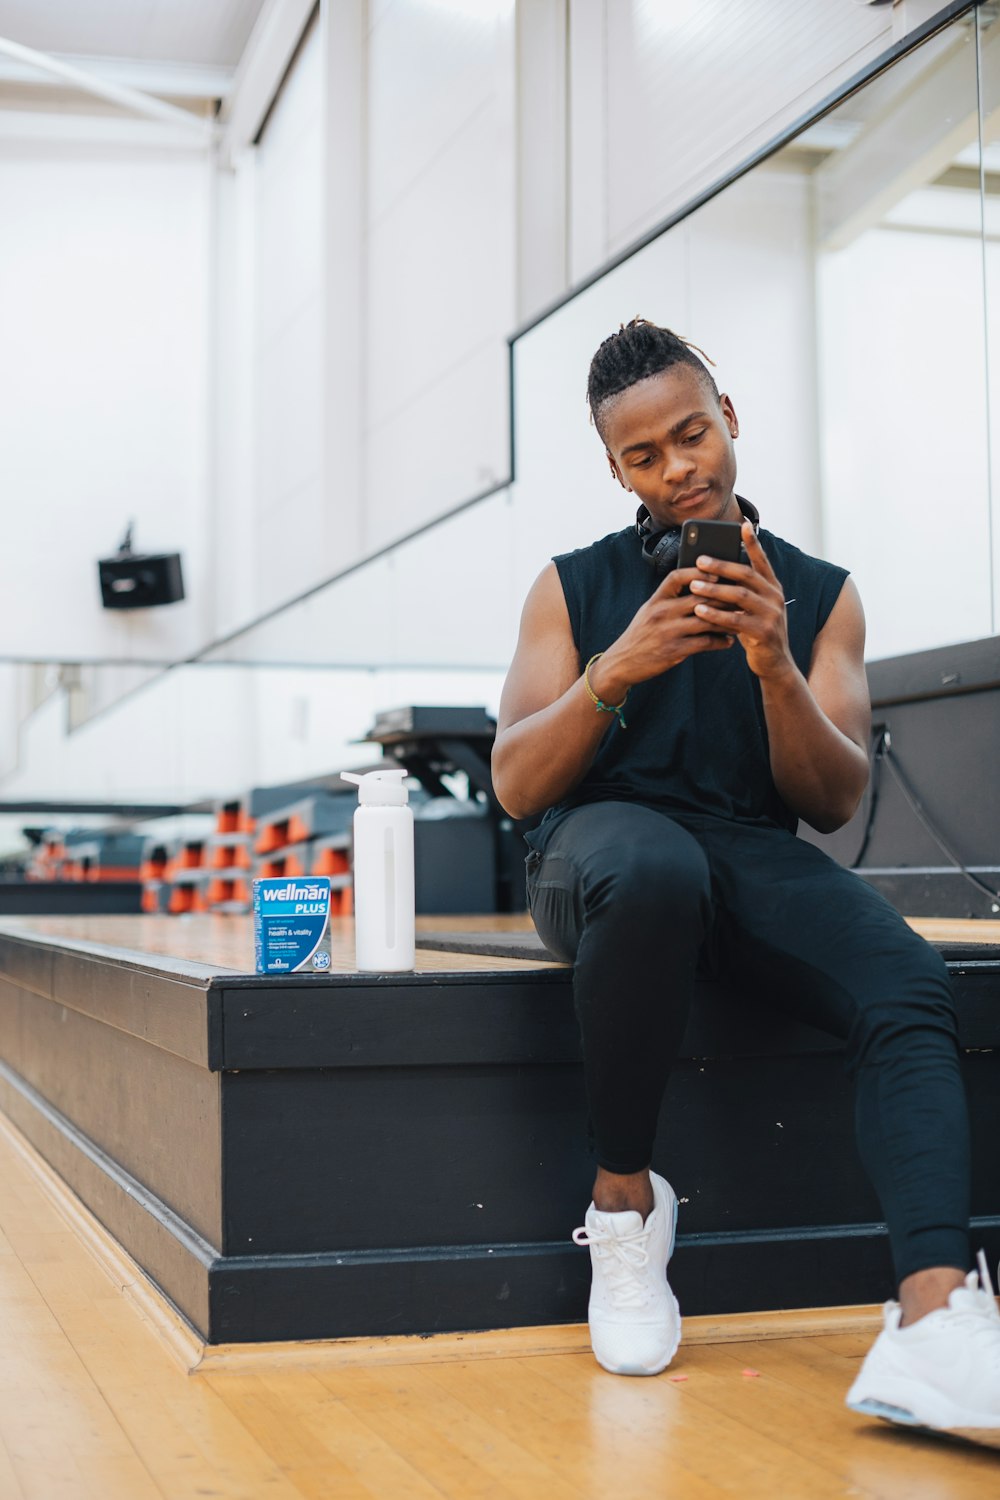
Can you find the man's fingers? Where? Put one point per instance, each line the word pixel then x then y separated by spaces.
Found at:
pixel 736 572
pixel 716 592
pixel 697 624
pixel 717 567
pixel 710 641
pixel 756 575
pixel 731 619
pixel 677 581
pixel 759 560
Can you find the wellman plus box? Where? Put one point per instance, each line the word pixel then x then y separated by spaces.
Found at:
pixel 291 924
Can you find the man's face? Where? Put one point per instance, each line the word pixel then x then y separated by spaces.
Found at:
pixel 671 442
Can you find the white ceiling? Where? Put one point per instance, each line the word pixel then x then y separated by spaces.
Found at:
pixel 207 32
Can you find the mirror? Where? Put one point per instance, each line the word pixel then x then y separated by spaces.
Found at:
pixel 838 286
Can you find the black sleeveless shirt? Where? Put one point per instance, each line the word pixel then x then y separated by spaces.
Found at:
pixel 696 737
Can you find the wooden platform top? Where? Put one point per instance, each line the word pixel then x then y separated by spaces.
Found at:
pixel 224 944
pixel 955 929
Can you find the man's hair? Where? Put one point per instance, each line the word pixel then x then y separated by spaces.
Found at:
pixel 639 349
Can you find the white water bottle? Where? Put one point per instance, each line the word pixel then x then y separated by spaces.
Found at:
pixel 384 903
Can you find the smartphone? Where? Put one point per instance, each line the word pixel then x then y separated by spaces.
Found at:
pixel 721 539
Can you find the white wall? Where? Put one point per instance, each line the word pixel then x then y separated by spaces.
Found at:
pixel 738 276
pixel 905 446
pixel 232 376
pixel 287 511
pixel 104 261
pixel 441 238
pixel 145 408
pixel 438 255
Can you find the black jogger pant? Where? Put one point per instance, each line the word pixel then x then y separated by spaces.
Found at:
pixel 636 902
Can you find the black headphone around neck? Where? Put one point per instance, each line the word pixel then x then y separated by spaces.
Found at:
pixel 660 548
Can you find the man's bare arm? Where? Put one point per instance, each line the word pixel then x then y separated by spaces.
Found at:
pixel 548 729
pixel 818 728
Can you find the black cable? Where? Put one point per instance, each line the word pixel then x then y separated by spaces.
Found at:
pixel 917 807
pixel 878 752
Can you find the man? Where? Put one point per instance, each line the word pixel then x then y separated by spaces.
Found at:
pixel 674 726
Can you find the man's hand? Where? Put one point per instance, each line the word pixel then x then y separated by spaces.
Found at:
pixel 662 632
pixel 749 602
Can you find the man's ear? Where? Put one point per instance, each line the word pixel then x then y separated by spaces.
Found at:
pixel 616 472
pixel 729 415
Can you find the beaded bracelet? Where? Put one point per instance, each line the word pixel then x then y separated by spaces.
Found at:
pixel 604 708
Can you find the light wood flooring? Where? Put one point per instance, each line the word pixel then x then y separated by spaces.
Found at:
pixel 94 1404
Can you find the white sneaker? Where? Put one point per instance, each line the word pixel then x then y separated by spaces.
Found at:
pixel 941 1373
pixel 635 1323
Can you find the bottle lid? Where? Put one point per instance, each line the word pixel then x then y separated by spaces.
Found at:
pixel 380 788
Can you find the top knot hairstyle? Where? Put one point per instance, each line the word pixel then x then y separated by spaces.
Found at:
pixel 639 349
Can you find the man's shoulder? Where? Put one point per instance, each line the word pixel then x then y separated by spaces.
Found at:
pixel 615 541
pixel 797 557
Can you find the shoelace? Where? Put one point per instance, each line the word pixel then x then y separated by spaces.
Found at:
pixel 980 1288
pixel 629 1258
pixel 980 1317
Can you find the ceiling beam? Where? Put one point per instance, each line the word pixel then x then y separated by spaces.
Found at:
pixel 126 98
pixel 916 137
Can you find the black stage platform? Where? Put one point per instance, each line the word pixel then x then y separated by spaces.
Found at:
pixel 339 1155
pixel 70 897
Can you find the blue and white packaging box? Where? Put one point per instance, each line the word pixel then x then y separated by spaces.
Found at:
pixel 291 924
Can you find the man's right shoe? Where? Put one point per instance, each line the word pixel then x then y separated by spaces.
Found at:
pixel 941 1373
pixel 635 1323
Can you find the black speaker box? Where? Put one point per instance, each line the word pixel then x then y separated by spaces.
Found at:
pixel 140 582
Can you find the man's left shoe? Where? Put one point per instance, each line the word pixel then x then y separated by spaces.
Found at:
pixel 635 1323
pixel 941 1373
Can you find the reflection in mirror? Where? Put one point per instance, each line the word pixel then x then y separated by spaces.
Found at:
pixel 989 93
pixel 901 355
pixel 196 734
pixel 838 287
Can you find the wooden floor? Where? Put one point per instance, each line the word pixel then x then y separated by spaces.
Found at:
pixel 93 1404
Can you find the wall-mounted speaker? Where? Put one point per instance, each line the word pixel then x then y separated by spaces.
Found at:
pixel 133 580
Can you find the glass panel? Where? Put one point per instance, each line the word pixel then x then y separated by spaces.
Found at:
pixel 200 733
pixel 989 64
pixel 838 286
pixel 441 600
pixel 901 351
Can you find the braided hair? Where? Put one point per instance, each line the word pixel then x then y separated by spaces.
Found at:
pixel 639 349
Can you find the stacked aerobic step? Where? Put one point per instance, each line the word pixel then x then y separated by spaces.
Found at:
pixel 230 856
pixel 228 870
pixel 153 874
pixel 310 837
pixel 183 876
pixel 102 856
